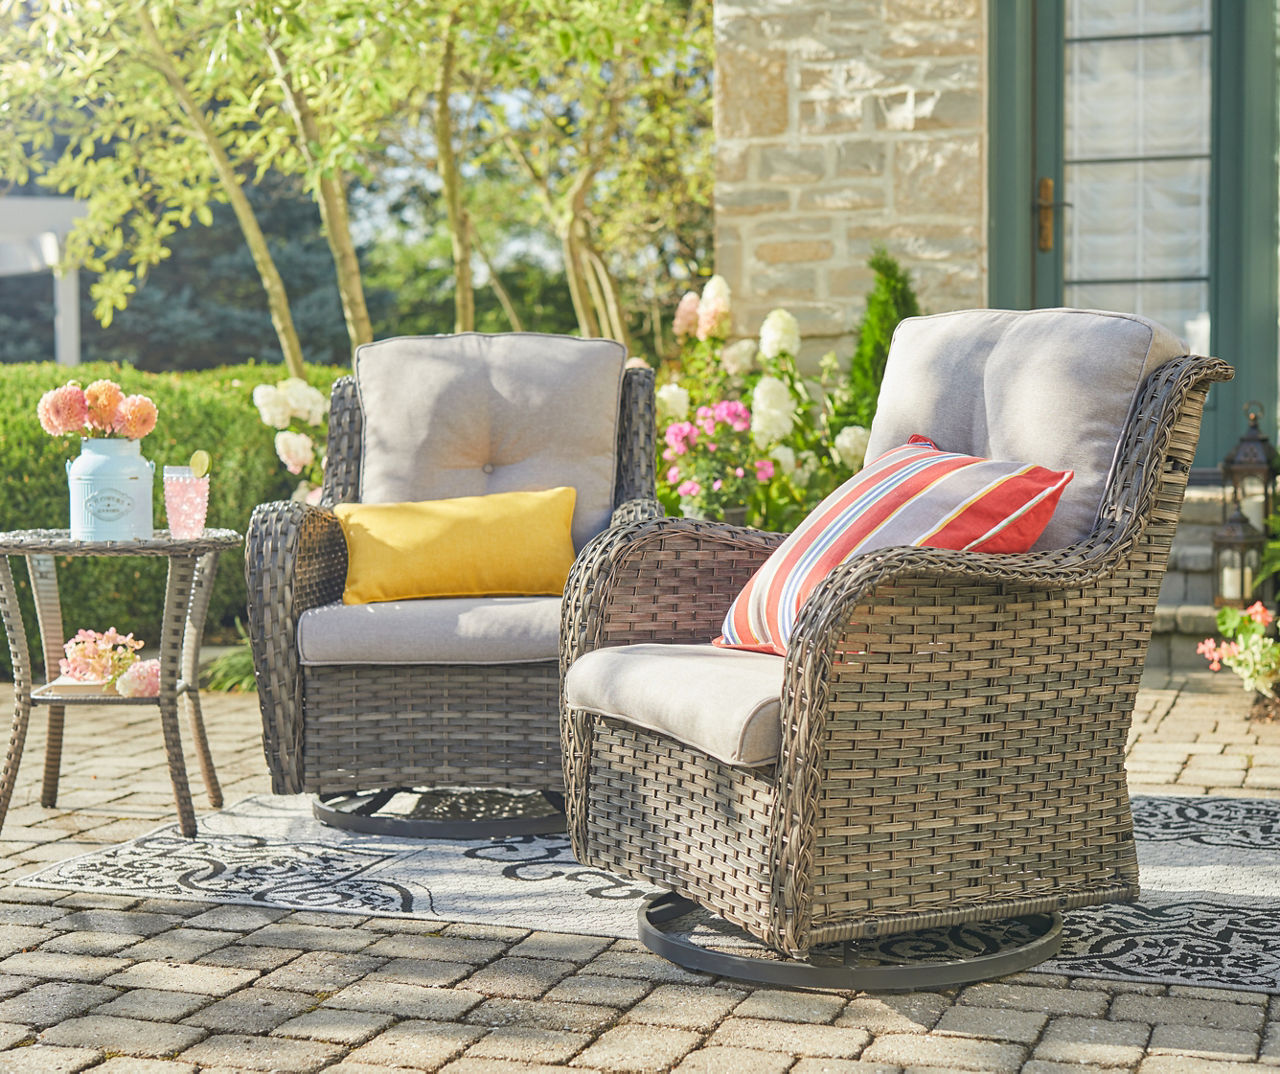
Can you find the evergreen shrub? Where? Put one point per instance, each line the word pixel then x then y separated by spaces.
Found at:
pixel 210 409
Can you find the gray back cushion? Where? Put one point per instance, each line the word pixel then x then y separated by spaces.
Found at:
pixel 1052 387
pixel 473 414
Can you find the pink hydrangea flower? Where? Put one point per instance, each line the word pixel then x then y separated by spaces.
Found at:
pixel 140 680
pixel 135 417
pixel 681 436
pixel 764 469
pixel 733 413
pixel 94 657
pixel 63 410
pixel 689 488
pixel 104 398
pixel 716 485
pixel 685 322
pixel 673 475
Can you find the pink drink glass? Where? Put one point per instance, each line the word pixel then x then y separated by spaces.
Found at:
pixel 186 501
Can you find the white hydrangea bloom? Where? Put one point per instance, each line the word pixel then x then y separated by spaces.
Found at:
pixel 850 445
pixel 780 334
pixel 739 358
pixel 296 450
pixel 306 402
pixel 273 406
pixel 806 465
pixel 673 402
pixel 773 411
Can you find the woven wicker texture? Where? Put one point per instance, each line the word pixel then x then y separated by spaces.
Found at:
pixel 953 724
pixel 192 566
pixel 366 727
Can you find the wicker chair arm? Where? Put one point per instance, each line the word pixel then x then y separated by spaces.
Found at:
pixel 660 579
pixel 295 559
pixel 635 510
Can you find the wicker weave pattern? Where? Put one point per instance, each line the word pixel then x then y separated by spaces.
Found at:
pixel 364 727
pixel 953 724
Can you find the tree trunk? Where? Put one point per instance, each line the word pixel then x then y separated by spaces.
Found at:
pixel 504 299
pixel 277 297
pixel 576 277
pixel 464 299
pixel 331 199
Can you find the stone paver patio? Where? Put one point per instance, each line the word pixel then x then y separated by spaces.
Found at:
pixel 155 986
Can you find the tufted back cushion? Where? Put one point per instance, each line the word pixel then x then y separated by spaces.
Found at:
pixel 473 414
pixel 1051 387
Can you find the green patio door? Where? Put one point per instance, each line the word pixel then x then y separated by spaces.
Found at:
pixel 1133 168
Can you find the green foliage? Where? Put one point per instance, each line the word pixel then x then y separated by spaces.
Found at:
pixel 211 410
pixel 232 672
pixel 890 301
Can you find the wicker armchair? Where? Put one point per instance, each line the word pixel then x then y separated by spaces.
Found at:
pixel 953 724
pixel 469 730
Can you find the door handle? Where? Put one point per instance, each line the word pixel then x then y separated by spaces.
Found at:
pixel 1044 213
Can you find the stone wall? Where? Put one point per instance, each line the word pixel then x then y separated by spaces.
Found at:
pixel 842 125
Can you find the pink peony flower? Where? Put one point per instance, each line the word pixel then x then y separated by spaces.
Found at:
pixel 63 410
pixel 140 680
pixel 103 397
pixel 716 485
pixel 135 417
pixel 673 475
pixel 689 488
pixel 764 469
pixel 1257 611
pixel 685 322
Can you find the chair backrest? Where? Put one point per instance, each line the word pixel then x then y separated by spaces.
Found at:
pixel 1053 387
pixel 472 414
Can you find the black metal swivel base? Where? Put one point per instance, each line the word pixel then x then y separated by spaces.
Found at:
pixel 443 812
pixel 1045 930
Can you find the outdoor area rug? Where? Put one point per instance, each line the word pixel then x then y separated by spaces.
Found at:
pixel 1209 913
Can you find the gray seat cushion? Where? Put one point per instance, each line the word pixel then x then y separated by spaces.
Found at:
pixel 472 414
pixel 725 702
pixel 448 630
pixel 1050 387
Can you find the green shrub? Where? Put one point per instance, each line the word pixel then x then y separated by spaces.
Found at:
pixel 210 409
pixel 890 300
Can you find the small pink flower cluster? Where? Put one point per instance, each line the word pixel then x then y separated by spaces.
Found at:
pixel 101 409
pixel 94 657
pixel 111 658
pixel 721 425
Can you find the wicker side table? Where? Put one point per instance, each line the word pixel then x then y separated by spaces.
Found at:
pixel 192 564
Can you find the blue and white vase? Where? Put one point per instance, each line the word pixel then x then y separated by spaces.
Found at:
pixel 110 491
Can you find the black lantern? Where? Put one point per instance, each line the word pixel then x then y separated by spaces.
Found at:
pixel 1250 469
pixel 1237 558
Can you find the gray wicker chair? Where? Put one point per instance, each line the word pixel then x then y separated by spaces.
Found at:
pixel 473 735
pixel 953 725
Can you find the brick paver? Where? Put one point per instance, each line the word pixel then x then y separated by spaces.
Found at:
pixel 127 985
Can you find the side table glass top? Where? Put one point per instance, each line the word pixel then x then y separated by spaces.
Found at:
pixel 60 542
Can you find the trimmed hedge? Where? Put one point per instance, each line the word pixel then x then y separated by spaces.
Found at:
pixel 211 409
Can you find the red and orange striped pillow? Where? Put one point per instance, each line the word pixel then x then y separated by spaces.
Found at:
pixel 912 495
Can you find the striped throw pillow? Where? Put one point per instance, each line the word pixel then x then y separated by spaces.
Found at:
pixel 911 495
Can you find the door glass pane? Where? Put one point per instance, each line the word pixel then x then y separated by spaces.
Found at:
pixel 1136 136
pixel 1097 18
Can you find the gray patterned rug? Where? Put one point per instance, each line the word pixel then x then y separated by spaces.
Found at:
pixel 1209 914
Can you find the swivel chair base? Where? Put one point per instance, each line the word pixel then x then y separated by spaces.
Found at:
pixel 1044 942
pixel 443 812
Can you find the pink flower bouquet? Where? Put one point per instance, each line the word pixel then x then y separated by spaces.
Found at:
pixel 101 410
pixel 110 658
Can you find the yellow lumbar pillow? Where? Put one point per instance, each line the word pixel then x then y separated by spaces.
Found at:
pixel 506 544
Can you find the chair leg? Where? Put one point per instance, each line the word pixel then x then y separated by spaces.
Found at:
pixel 443 812
pixel 667 906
